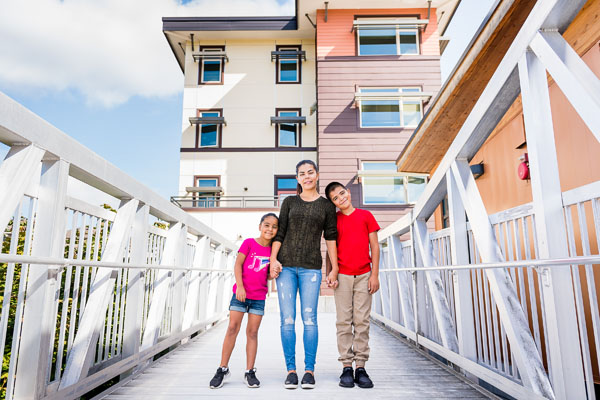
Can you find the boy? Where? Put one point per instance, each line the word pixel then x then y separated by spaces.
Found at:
pixel 358 279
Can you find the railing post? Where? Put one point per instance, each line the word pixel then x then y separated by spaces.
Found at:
pixel 386 307
pixel 179 284
pixel 513 318
pixel 175 235
pixel 396 260
pixel 35 349
pixel 441 309
pixel 81 356
pixel 463 298
pixel 418 280
pixel 213 291
pixel 135 284
pixel 561 319
pixel 196 281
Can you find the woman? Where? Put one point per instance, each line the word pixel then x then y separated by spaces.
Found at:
pixel 296 263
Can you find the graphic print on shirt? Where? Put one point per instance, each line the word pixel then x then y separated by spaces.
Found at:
pixel 259 263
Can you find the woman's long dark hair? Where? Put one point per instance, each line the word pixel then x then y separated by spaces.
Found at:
pixel 301 163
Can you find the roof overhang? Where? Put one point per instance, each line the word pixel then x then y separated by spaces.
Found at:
pixel 178 30
pixel 450 108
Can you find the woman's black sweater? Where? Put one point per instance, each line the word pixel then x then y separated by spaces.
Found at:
pixel 300 226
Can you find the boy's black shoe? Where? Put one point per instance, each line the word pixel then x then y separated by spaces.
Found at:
pixel 362 378
pixel 217 380
pixel 291 382
pixel 308 381
pixel 347 377
pixel 250 379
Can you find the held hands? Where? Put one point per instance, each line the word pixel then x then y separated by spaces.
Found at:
pixel 332 280
pixel 373 284
pixel 240 293
pixel 275 268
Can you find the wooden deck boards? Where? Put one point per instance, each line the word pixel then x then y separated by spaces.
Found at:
pixel 398 371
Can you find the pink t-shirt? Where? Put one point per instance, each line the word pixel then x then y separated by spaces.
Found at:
pixel 255 269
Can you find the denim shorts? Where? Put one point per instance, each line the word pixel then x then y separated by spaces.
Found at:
pixel 249 306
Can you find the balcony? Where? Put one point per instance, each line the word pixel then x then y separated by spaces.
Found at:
pixel 216 201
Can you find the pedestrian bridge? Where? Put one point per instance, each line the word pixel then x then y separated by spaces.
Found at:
pixel 111 303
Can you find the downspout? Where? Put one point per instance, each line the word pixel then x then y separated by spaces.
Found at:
pixel 428 14
pixel 192 38
pixel 326 8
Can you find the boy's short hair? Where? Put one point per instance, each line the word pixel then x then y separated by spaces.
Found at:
pixel 331 187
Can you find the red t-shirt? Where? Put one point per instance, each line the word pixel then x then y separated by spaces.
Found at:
pixel 353 241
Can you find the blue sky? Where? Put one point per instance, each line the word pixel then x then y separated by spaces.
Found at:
pixel 102 72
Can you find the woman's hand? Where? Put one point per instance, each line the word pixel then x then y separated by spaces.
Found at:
pixel 275 267
pixel 373 283
pixel 240 293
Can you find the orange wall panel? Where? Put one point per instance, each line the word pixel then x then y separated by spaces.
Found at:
pixel 577 149
pixel 335 39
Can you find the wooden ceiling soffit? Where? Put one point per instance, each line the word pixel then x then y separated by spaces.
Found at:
pixel 450 109
pixel 582 35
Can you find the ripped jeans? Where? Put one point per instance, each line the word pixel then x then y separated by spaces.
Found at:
pixel 308 282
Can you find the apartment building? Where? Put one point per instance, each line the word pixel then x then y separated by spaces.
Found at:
pixel 338 83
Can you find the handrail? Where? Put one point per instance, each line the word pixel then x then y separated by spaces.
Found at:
pixel 546 262
pixel 65 262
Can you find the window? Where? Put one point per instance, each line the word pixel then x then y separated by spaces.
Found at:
pixel 285 185
pixel 382 185
pixel 209 197
pixel 211 68
pixel 287 133
pixel 445 213
pixel 391 110
pixel 288 68
pixel 208 135
pixel 382 189
pixel 384 39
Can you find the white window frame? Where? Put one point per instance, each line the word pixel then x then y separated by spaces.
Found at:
pixel 400 108
pixel 200 130
pixel 297 62
pixel 398 30
pixel 297 125
pixel 393 174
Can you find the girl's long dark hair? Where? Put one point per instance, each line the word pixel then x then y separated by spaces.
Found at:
pixel 301 163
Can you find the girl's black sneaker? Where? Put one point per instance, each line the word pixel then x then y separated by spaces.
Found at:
pixel 362 378
pixel 308 381
pixel 250 379
pixel 217 380
pixel 291 382
pixel 347 377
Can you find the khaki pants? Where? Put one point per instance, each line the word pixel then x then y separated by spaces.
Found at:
pixel 353 308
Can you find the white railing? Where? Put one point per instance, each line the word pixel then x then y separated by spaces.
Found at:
pixel 91 294
pixel 509 298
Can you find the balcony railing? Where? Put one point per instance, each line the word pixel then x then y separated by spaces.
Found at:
pixel 215 201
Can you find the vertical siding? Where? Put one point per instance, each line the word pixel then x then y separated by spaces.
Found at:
pixel 342 144
pixel 335 39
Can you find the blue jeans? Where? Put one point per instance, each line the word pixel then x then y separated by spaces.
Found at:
pixel 308 282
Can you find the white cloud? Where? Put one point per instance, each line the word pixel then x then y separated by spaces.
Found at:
pixel 108 50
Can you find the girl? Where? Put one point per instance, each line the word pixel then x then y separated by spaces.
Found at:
pixel 296 263
pixel 249 293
